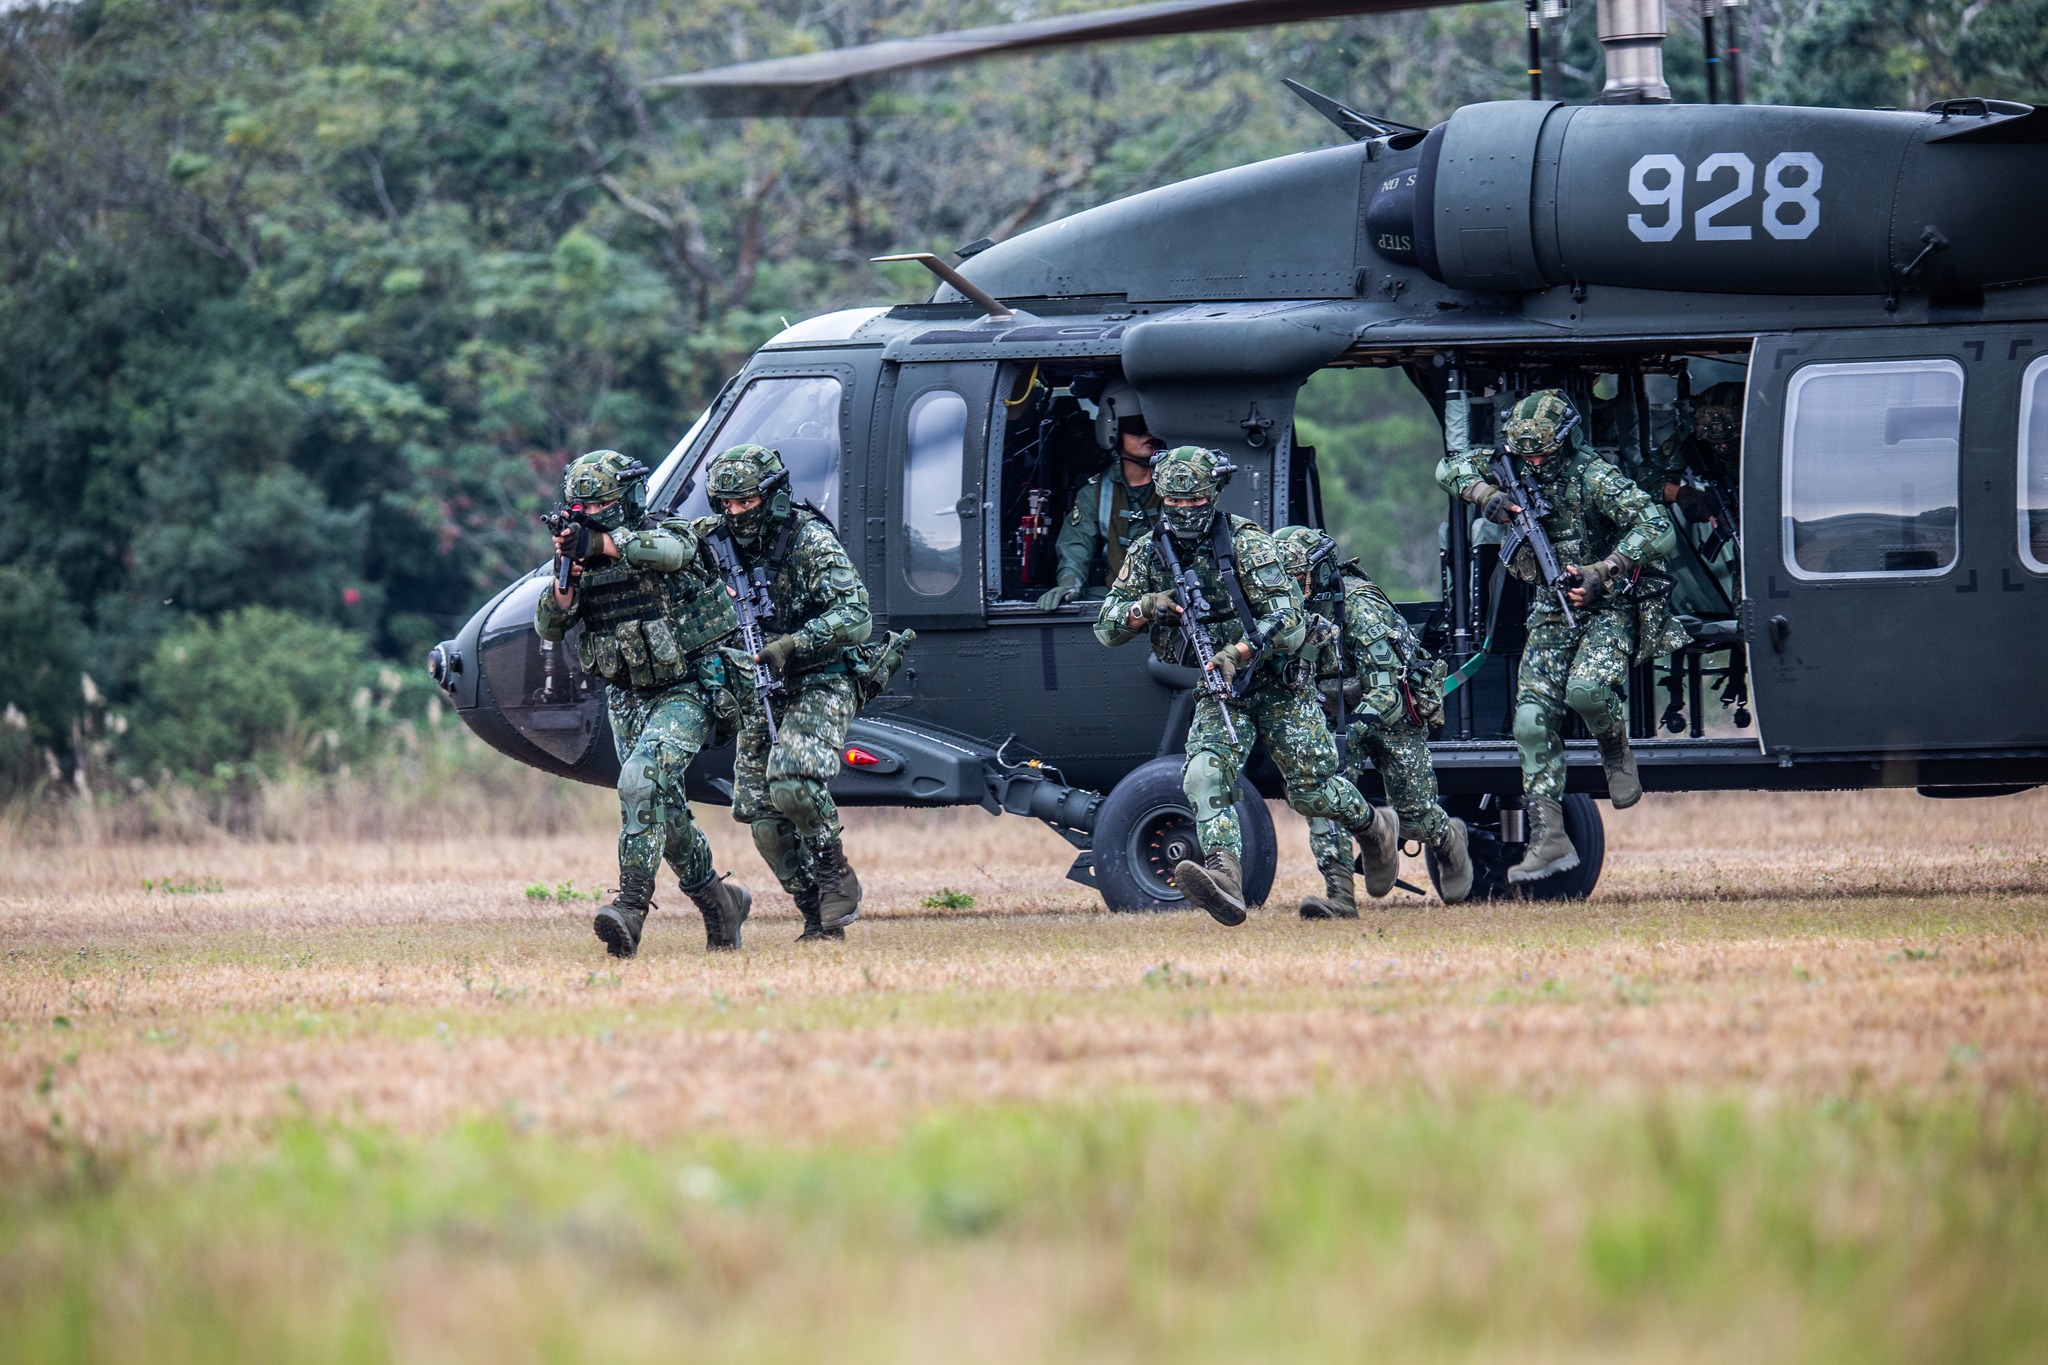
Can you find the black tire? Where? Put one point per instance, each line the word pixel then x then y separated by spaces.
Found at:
pixel 1145 826
pixel 1491 858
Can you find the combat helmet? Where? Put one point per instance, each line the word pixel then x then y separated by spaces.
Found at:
pixel 749 471
pixel 1190 472
pixel 1539 425
pixel 1305 551
pixel 607 480
pixel 1717 415
pixel 1118 413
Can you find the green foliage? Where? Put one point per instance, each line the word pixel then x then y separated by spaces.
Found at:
pixel 1377 444
pixel 946 898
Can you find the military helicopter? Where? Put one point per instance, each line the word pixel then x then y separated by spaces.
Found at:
pixel 1868 604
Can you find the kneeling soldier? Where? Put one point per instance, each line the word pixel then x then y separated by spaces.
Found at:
pixel 1370 667
pixel 1608 535
pixel 818 610
pixel 653 622
pixel 1253 614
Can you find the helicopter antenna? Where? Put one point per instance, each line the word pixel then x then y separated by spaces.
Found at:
pixel 1354 125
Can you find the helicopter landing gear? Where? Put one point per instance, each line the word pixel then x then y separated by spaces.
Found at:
pixel 1145 827
pixel 1493 855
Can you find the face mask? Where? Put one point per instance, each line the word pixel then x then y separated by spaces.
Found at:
pixel 747 526
pixel 1552 466
pixel 1187 523
pixel 612 517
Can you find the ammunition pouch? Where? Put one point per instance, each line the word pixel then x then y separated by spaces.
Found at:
pixel 871 665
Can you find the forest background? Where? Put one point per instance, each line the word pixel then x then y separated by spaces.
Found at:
pixel 304 305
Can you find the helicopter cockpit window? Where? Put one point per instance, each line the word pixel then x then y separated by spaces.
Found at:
pixel 933 478
pixel 2033 491
pixel 1873 468
pixel 797 415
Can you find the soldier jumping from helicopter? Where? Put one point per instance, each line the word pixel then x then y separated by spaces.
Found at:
pixel 1255 687
pixel 1607 532
pixel 820 612
pixel 1370 668
pixel 653 624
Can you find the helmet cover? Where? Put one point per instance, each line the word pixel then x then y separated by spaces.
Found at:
pixel 749 471
pixel 1189 473
pixel 1539 424
pixel 608 480
pixel 1304 549
pixel 1717 416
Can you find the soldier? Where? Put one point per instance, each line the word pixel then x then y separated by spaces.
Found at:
pixel 653 623
pixel 1112 509
pixel 1607 532
pixel 1256 622
pixel 821 611
pixel 1369 665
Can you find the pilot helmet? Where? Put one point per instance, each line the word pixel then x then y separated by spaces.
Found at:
pixel 607 479
pixel 749 471
pixel 1118 413
pixel 1191 472
pixel 1305 551
pixel 1539 425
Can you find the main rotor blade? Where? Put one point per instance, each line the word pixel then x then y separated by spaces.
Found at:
pixel 820 82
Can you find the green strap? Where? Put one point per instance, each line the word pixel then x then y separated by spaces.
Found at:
pixel 1466 671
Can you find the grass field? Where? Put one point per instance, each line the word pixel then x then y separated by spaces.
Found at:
pixel 1775 1093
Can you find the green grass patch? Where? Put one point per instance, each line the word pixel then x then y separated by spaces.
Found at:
pixel 1332 1228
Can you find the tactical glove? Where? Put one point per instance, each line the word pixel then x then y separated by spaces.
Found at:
pixel 1062 591
pixel 1156 606
pixel 1496 506
pixel 1351 689
pixel 777 652
pixel 1697 506
pixel 1224 661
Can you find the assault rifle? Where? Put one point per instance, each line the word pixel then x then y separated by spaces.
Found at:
pixel 752 602
pixel 1527 525
pixel 584 539
pixel 1194 606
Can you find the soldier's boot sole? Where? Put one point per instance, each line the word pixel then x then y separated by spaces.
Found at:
pixel 1213 890
pixel 1379 852
pixel 1618 760
pixel 618 936
pixel 1454 864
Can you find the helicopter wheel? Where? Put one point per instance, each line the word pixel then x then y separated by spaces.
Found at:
pixel 1146 827
pixel 1492 857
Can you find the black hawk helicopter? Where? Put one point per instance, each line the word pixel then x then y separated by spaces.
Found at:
pixel 1870 588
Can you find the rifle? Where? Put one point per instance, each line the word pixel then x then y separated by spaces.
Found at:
pixel 1194 605
pixel 753 603
pixel 587 536
pixel 1527 525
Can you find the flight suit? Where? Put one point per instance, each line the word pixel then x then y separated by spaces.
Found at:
pixel 1108 517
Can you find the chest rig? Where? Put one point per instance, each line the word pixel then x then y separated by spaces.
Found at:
pixel 1578 532
pixel 643 629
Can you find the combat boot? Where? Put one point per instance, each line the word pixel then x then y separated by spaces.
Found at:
pixel 619 924
pixel 1623 787
pixel 814 926
pixel 1453 863
pixel 724 904
pixel 1216 884
pixel 1379 851
pixel 1550 848
pixel 838 887
pixel 1338 901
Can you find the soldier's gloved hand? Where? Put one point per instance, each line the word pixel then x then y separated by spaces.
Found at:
pixel 1224 661
pixel 1497 507
pixel 1063 591
pixel 777 652
pixel 1156 606
pixel 1697 506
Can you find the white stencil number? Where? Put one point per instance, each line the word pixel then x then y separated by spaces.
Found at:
pixel 1804 196
pixel 1670 195
pixel 1791 207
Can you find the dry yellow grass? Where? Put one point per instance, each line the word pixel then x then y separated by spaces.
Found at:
pixel 1769 946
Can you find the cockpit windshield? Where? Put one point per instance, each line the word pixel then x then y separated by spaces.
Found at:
pixel 797 415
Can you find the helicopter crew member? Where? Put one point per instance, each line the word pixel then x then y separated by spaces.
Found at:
pixel 820 614
pixel 1255 620
pixel 1112 509
pixel 1369 665
pixel 653 624
pixel 1607 533
pixel 1707 447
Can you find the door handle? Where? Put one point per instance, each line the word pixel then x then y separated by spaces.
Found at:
pixel 1780 628
pixel 967 507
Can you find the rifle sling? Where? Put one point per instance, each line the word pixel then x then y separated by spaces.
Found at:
pixel 1225 551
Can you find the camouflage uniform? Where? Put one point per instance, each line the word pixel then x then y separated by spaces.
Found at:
pixel 1278 705
pixel 1601 522
pixel 820 613
pixel 1707 445
pixel 653 625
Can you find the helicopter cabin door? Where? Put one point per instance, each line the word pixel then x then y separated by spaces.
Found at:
pixel 1897 590
pixel 935 461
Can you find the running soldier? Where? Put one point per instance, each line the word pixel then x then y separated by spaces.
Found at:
pixel 819 611
pixel 1610 536
pixel 1255 620
pixel 1372 671
pixel 653 623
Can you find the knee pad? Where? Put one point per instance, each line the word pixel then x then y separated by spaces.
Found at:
pixel 780 849
pixel 1596 703
pixel 795 798
pixel 1532 724
pixel 1208 784
pixel 637 788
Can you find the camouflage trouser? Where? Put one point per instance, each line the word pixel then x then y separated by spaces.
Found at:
pixel 1401 754
pixel 779 789
pixel 1584 668
pixel 1291 722
pixel 657 734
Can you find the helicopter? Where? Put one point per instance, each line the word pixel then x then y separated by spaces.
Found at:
pixel 1867 603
